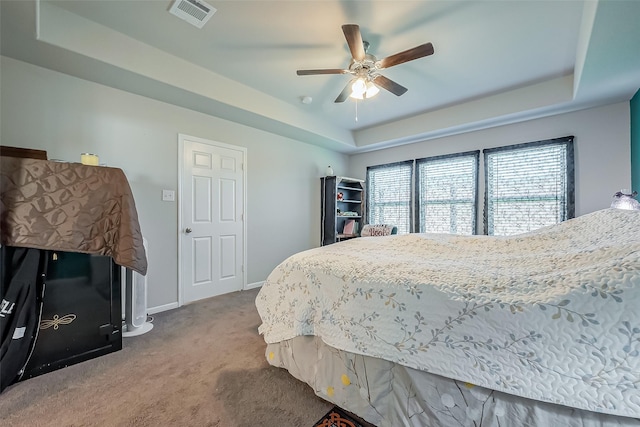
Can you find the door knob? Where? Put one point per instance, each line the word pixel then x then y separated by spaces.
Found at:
pixel 188 230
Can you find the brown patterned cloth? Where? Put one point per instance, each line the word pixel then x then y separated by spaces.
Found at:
pixel 70 207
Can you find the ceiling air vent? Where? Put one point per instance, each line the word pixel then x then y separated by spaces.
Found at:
pixel 196 13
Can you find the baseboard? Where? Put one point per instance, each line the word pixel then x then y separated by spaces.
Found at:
pixel 253 285
pixel 158 309
pixel 171 306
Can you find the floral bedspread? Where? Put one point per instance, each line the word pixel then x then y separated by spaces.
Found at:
pixel 551 315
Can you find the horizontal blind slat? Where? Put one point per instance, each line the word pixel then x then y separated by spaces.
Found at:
pixel 389 196
pixel 447 194
pixel 526 188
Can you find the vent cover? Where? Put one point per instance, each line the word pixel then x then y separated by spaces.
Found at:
pixel 196 13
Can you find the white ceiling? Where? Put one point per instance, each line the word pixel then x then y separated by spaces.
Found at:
pixel 495 61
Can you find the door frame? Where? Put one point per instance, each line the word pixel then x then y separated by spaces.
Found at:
pixel 181 140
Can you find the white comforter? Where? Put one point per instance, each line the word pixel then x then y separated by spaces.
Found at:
pixel 552 315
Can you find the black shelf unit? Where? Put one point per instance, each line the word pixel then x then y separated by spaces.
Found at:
pixel 342 199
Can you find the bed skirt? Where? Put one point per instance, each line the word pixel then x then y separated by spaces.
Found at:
pixel 392 395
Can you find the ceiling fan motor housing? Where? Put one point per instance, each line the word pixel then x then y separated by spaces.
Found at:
pixel 365 67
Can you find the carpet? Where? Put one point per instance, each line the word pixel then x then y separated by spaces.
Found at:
pixel 337 417
pixel 201 365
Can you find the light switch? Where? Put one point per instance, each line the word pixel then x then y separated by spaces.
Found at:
pixel 168 195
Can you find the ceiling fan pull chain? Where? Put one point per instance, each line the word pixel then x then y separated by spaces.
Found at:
pixel 356 110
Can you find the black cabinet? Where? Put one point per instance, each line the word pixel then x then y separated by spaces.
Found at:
pixel 81 312
pixel 342 204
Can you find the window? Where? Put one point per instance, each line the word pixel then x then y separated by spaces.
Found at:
pixel 447 193
pixel 529 186
pixel 389 195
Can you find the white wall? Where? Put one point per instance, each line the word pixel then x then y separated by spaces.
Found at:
pixel 65 115
pixel 602 150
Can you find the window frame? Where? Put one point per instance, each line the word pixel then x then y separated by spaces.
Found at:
pixel 416 186
pixel 368 209
pixel 567 141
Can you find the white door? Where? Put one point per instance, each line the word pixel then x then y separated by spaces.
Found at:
pixel 212 219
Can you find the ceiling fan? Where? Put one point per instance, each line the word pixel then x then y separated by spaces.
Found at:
pixel 365 67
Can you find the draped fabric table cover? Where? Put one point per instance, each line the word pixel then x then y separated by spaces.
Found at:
pixel 70 207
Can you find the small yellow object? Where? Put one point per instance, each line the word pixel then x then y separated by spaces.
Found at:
pixel 271 356
pixel 330 391
pixel 345 379
pixel 89 159
pixel 469 385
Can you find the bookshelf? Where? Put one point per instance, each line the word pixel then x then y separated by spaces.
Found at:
pixel 342 202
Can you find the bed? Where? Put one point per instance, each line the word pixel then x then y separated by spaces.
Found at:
pixel 541 328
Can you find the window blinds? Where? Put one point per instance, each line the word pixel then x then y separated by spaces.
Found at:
pixel 389 195
pixel 528 186
pixel 447 193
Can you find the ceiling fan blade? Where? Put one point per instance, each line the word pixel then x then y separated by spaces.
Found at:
pixel 325 71
pixel 389 85
pixel 407 55
pixel 345 92
pixel 354 40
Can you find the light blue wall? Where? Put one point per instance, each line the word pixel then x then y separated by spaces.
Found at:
pixel 66 116
pixel 635 141
pixel 602 150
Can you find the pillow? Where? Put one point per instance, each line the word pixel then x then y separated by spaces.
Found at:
pixel 377 230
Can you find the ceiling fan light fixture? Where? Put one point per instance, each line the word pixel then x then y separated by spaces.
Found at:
pixel 358 88
pixel 372 90
pixel 363 89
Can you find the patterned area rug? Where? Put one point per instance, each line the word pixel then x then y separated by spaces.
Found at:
pixel 337 417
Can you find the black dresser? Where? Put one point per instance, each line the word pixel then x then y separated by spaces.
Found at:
pixel 81 312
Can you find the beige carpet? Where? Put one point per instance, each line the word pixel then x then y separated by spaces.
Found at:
pixel 202 365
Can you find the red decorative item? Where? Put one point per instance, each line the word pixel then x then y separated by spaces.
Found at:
pixel 340 196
